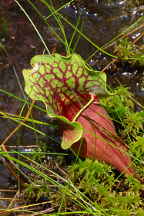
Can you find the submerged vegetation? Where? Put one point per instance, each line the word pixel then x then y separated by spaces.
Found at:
pixel 49 180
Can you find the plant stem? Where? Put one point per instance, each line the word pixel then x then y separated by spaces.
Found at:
pixel 84 107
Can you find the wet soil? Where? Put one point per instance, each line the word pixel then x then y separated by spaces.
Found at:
pixel 100 22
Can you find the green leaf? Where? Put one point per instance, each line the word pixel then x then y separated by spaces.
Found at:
pixel 72 134
pixel 72 131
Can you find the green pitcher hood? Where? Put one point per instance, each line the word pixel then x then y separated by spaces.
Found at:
pixel 55 78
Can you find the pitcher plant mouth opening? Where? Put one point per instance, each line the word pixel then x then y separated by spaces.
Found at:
pixel 70 90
